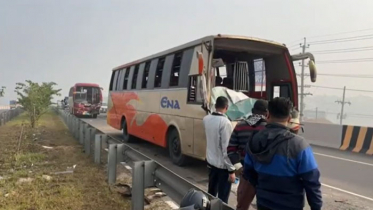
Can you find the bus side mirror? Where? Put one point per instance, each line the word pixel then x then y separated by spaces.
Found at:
pixel 313 70
pixel 101 88
pixel 200 63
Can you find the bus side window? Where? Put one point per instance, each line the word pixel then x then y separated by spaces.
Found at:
pixel 145 75
pixel 158 72
pixel 134 77
pixel 112 80
pixel 175 69
pixel 115 78
pixel 194 95
pixel 125 82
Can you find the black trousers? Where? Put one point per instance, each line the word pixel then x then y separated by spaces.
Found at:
pixel 219 183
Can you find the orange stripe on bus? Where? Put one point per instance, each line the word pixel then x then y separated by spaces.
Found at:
pixel 347 139
pixel 360 139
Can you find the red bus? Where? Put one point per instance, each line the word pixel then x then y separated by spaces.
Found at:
pixel 85 99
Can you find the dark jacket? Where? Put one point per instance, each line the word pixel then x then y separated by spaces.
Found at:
pixel 281 166
pixel 241 134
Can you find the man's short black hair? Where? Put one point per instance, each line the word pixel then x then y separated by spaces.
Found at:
pixel 221 102
pixel 260 107
pixel 280 108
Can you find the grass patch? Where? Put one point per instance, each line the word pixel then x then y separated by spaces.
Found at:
pixel 28 158
pixel 29 181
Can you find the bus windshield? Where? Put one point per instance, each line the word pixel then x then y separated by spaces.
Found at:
pixel 89 95
pixel 240 105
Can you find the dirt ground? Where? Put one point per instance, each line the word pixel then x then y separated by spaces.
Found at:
pixel 29 160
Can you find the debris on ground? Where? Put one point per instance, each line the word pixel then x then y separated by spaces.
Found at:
pixel 24 180
pixel 47 177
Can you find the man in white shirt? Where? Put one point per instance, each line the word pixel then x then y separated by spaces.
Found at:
pixel 218 130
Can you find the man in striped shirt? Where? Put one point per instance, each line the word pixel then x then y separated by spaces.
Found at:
pixel 242 133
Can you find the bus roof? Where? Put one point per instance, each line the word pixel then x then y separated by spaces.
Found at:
pixel 196 42
pixel 87 84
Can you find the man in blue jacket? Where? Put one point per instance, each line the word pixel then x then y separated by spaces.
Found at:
pixel 281 165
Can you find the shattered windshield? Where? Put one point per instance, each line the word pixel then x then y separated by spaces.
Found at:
pixel 240 105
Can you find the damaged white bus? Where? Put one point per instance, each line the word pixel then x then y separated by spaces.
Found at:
pixel 162 98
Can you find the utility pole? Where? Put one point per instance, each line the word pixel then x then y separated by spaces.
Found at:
pixel 343 102
pixel 302 94
pixel 316 113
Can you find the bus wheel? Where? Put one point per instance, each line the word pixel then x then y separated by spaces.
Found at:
pixel 174 148
pixel 126 136
pixel 94 116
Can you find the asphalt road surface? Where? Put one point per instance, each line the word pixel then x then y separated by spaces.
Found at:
pixel 347 178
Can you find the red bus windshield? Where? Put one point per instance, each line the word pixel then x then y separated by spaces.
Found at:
pixel 85 94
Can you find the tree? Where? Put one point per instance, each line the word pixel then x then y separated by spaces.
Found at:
pixel 2 91
pixel 36 98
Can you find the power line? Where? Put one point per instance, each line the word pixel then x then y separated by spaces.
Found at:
pixel 346 60
pixel 347 39
pixel 339 33
pixel 335 88
pixel 348 75
pixel 341 51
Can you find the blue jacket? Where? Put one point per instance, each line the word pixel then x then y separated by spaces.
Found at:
pixel 282 167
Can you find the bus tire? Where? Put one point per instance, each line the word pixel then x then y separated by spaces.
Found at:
pixel 174 148
pixel 127 138
pixel 94 116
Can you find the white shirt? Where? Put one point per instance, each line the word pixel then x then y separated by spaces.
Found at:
pixel 218 131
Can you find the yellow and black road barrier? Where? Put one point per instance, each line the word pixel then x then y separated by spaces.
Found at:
pixel 357 139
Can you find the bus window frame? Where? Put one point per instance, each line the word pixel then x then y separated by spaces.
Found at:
pixel 166 72
pixel 116 74
pixel 152 71
pixel 137 67
pixel 147 81
pixel 140 76
pixel 186 64
pixel 129 83
pixel 120 80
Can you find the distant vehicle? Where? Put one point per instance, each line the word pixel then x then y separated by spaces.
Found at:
pixel 13 104
pixel 85 100
pixel 103 108
pixel 163 98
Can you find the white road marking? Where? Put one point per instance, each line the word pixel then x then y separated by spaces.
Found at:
pixel 338 158
pixel 348 192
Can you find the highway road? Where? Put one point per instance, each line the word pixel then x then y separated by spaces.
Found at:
pixel 347 178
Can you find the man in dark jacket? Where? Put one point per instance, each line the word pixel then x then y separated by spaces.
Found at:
pixel 281 165
pixel 242 133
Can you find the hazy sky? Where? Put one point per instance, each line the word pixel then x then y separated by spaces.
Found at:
pixel 81 41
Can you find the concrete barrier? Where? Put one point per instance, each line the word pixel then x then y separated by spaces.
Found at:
pixel 326 135
pixel 344 137
pixel 357 139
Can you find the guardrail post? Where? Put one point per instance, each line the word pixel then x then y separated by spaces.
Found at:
pixel 72 125
pixel 112 164
pixel 81 132
pixel 87 142
pixel 138 188
pixel 76 125
pixel 98 146
pixel 120 153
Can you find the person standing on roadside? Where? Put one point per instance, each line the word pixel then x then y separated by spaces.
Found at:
pixel 281 165
pixel 242 133
pixel 218 130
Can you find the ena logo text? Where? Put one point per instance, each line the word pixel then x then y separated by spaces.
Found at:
pixel 173 104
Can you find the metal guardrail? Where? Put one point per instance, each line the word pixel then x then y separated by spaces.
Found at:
pixel 145 171
pixel 8 115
